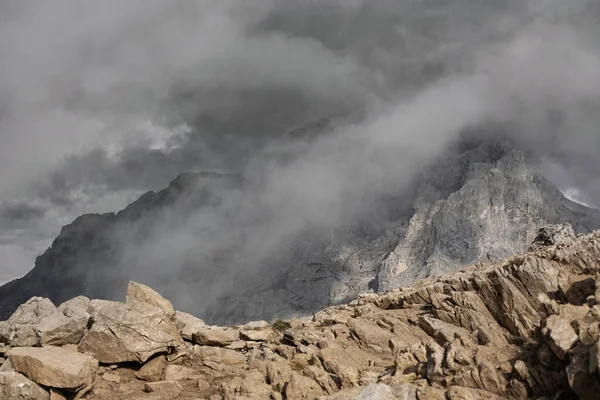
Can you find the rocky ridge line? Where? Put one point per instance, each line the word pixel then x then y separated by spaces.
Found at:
pixel 526 327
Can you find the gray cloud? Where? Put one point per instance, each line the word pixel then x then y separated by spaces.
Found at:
pixel 103 101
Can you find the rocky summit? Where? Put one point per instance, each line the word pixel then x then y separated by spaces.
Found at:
pixel 524 327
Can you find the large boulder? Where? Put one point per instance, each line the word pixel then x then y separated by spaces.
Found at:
pixel 20 329
pixel 58 329
pixel 551 235
pixel 54 366
pixel 131 331
pixel 187 324
pixel 15 386
pixel 75 307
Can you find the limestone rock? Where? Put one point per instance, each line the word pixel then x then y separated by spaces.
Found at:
pixel 54 366
pixel 138 293
pixel 152 371
pixel 561 334
pixel 167 389
pixel 178 373
pixel 215 337
pixel 133 331
pixel 75 307
pixel 187 324
pixel 19 330
pixel 551 235
pixel 58 329
pixel 14 386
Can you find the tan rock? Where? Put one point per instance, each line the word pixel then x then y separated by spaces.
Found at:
pixel 168 389
pixel 178 373
pixel 302 388
pixel 463 393
pixel 254 386
pixel 76 307
pixel 562 336
pixel 128 332
pixel 58 329
pixel 54 367
pixel 15 386
pixel 138 293
pixel 253 325
pixel 152 371
pixel 258 335
pixel 187 324
pixel 111 377
pixel 57 394
pixel 215 337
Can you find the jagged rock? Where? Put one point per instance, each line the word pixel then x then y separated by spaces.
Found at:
pixel 58 329
pixel 111 377
pixel 138 294
pixel 302 388
pixel 551 235
pixel 257 335
pixel 167 389
pixel 256 325
pixel 561 334
pixel 178 373
pixel 132 331
pixel 187 324
pixel 215 337
pixel 153 370
pixel 14 386
pixel 54 366
pixel 19 330
pixel 75 307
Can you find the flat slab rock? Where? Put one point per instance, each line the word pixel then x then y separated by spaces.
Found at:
pixel 54 366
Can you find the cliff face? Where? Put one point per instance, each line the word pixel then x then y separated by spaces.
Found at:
pixel 478 200
pixel 524 327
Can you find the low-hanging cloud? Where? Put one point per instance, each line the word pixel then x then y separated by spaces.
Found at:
pixel 106 100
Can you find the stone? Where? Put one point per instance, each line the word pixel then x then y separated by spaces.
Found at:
pixel 15 386
pixel 138 293
pixel 215 337
pixel 302 388
pixel 54 367
pixel 58 329
pixel 258 335
pixel 111 377
pixel 551 235
pixel 561 334
pixel 152 371
pixel 168 389
pixel 75 307
pixel 178 373
pixel 57 394
pixel 187 324
pixel 256 325
pixel 128 332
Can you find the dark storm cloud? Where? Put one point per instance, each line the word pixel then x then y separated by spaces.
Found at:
pixel 105 100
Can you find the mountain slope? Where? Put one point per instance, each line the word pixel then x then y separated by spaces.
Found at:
pixel 477 200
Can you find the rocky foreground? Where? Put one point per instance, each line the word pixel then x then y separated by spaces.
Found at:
pixel 527 327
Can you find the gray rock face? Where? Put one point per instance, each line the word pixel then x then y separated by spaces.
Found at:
pixel 499 204
pixel 476 201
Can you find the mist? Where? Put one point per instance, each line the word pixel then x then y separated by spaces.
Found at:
pixel 102 102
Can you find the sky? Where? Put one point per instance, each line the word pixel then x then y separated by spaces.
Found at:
pixel 102 101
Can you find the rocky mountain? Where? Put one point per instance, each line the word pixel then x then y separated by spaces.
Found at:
pixel 477 200
pixel 524 327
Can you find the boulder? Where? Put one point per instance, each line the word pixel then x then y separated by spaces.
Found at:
pixel 138 293
pixel 551 235
pixel 54 366
pixel 58 329
pixel 19 330
pixel 77 306
pixel 561 335
pixel 215 336
pixel 167 389
pixel 175 372
pixel 15 386
pixel 133 331
pixel 187 324
pixel 152 371
pixel 258 335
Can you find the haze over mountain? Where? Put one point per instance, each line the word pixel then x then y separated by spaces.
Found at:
pixel 103 102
